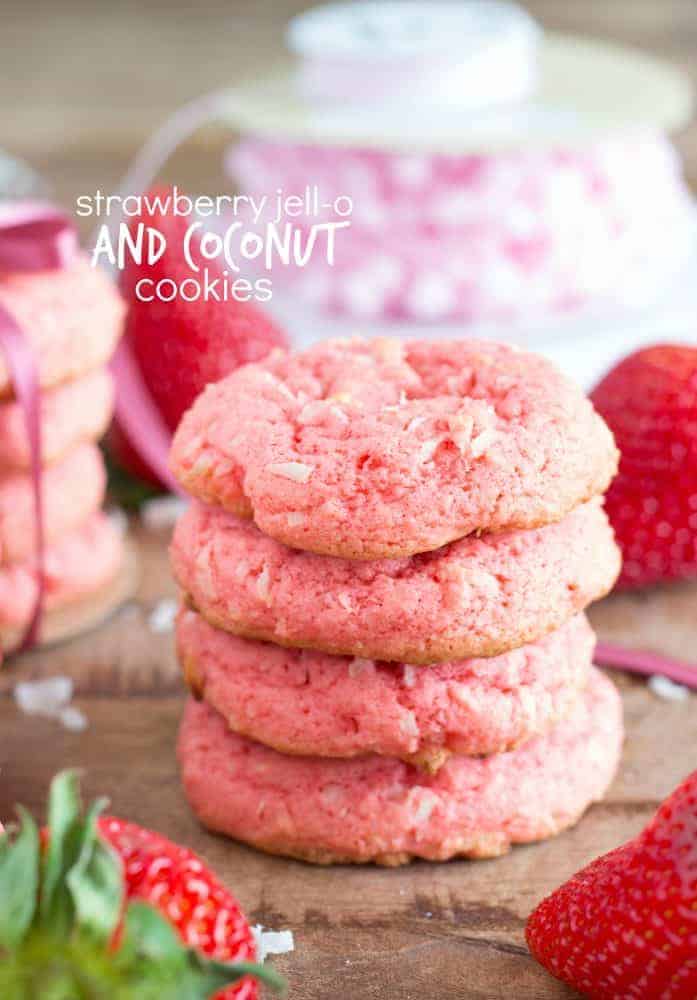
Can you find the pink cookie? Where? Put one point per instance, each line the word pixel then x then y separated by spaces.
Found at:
pixel 72 318
pixel 475 597
pixel 76 566
pixel 299 702
pixel 385 448
pixel 73 490
pixel 383 810
pixel 71 413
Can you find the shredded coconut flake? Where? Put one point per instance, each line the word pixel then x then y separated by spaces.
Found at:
pixel 344 600
pixel 482 442
pixel 415 423
pixel 162 513
pixel 358 666
pixel 73 719
pixel 422 802
pixel 313 411
pixel 203 464
pixel 408 726
pixel 428 450
pixel 462 694
pixel 340 397
pixel 483 582
pixel 297 471
pixel 272 942
pixel 51 699
pixel 204 571
pixel 44 697
pixel 118 520
pixel 331 793
pixel 224 468
pixel 192 449
pixel 285 391
pixel 339 414
pixel 664 687
pixel 409 675
pixel 461 426
pixel 262 585
pixel 241 570
pixel 163 615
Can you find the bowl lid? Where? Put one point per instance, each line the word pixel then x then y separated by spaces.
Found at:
pixel 474 76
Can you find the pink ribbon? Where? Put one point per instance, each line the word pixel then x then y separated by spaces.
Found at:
pixel 140 419
pixel 637 661
pixel 33 237
pixel 136 413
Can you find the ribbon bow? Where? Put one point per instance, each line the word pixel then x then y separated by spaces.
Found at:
pixel 34 236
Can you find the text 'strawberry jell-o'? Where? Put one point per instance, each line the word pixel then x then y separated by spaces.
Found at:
pixel 72 318
pixel 418 660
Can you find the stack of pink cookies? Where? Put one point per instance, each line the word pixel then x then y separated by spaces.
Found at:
pixel 384 572
pixel 72 318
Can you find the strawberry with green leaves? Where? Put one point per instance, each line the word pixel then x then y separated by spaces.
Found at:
pixel 625 927
pixel 96 909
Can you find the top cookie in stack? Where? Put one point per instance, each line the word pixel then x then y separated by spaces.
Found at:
pixel 382 449
pixel 415 503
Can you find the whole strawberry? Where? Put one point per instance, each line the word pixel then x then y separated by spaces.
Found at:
pixel 650 403
pixel 104 910
pixel 179 345
pixel 626 926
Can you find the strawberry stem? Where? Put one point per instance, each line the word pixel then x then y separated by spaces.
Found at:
pixel 60 911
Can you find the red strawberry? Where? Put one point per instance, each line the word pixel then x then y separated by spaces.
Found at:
pixel 192 899
pixel 95 907
pixel 626 926
pixel 650 402
pixel 181 346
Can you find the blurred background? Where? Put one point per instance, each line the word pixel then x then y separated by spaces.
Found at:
pixel 84 82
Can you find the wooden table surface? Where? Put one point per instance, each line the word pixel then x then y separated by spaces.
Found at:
pixel 82 85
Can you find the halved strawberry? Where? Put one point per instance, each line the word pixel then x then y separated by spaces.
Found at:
pixel 181 346
pixel 97 908
pixel 650 403
pixel 626 926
